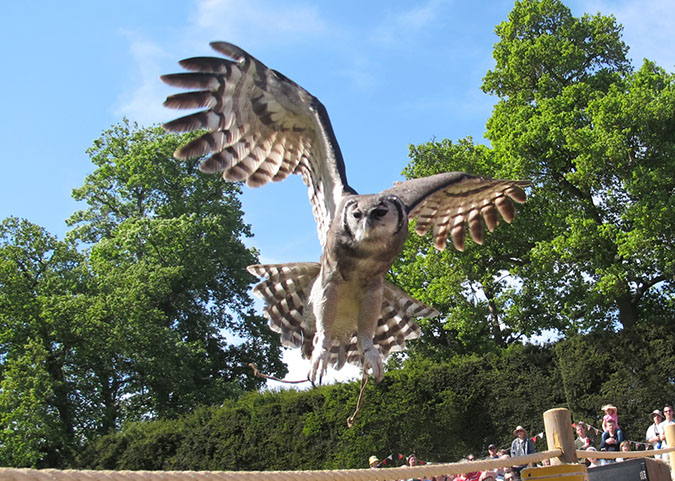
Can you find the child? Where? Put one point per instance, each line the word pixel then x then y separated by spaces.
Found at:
pixel 623 447
pixel 610 413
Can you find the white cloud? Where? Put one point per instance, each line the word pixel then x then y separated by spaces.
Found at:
pixel 251 22
pixel 143 101
pixel 400 26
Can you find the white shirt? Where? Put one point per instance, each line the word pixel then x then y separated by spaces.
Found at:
pixel 653 431
pixel 662 429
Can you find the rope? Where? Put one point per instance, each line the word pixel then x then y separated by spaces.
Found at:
pixel 12 474
pixel 257 373
pixel 364 381
pixel 623 454
pixel 350 419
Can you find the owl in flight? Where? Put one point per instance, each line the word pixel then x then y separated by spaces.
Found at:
pixel 262 127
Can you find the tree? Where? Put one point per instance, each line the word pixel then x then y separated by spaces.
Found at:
pixel 149 318
pixel 38 277
pixel 596 140
pixel 593 247
pixel 170 270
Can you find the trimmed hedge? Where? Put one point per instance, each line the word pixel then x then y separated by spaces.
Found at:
pixel 441 412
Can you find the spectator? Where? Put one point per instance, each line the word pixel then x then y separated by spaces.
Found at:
pixel 593 462
pixel 471 457
pixel 611 439
pixel 610 413
pixel 374 462
pixel 477 475
pixel 504 474
pixel 668 412
pixel 409 462
pixel 653 431
pixel 583 440
pixel 625 447
pixel 492 452
pixel 470 476
pixel 488 476
pixel 521 446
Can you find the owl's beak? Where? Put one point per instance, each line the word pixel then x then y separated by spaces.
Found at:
pixel 368 228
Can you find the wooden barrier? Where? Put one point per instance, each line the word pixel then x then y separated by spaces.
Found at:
pixel 559 435
pixel 670 439
pixel 570 472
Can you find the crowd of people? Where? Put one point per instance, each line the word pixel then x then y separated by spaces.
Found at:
pixel 612 439
pixel 521 445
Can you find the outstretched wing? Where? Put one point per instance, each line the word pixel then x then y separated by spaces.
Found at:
pixel 450 200
pixel 261 127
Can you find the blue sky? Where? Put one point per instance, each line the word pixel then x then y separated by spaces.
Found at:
pixel 390 74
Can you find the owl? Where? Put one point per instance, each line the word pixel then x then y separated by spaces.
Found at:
pixel 261 127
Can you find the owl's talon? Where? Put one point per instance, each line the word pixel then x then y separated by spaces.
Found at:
pixel 373 360
pixel 319 365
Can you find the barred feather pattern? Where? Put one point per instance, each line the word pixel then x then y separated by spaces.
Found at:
pixel 261 127
pixel 285 291
pixel 470 202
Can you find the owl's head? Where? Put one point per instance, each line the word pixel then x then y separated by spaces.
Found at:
pixel 369 218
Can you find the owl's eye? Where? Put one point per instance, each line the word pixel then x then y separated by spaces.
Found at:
pixel 380 212
pixel 356 214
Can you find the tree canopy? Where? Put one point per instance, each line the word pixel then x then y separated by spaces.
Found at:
pixel 593 247
pixel 148 318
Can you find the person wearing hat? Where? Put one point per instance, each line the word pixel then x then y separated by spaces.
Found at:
pixel 611 412
pixel 521 446
pixel 653 431
pixel 374 462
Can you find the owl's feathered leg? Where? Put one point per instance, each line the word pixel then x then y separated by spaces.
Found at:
pixel 369 313
pixel 323 302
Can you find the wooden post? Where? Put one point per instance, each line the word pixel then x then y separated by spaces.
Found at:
pixel 559 435
pixel 670 439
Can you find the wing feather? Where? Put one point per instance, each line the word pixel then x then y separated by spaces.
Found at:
pixel 450 201
pixel 261 126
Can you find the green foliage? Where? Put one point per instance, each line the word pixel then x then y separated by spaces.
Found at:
pixel 630 369
pixel 39 276
pixel 28 423
pixel 596 140
pixel 135 324
pixel 543 49
pixel 439 411
pixel 592 248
